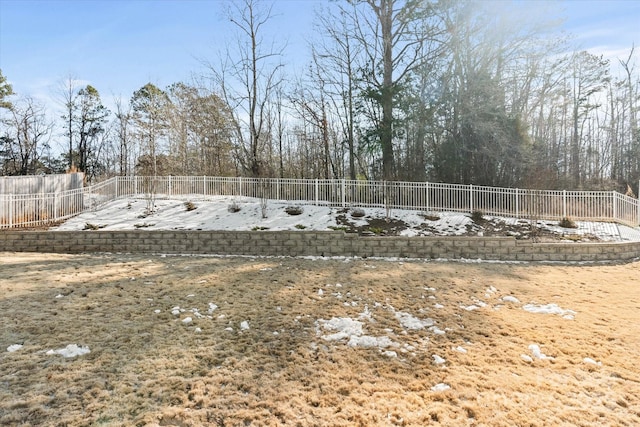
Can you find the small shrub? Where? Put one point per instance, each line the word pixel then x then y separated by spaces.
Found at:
pixel 567 223
pixel 89 226
pixel 293 210
pixel 300 226
pixel 376 230
pixel 357 212
pixel 233 207
pixel 572 237
pixel 477 216
pixel 338 228
pixel 190 206
pixel 430 216
pixel 143 225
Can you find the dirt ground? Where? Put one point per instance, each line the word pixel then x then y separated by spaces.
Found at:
pixel 258 350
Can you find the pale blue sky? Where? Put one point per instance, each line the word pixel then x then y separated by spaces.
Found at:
pixel 120 45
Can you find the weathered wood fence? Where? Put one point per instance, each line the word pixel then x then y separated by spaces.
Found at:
pixel 40 199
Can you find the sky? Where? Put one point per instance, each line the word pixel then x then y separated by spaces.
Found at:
pixel 118 46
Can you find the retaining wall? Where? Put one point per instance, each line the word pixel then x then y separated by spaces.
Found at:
pixel 311 243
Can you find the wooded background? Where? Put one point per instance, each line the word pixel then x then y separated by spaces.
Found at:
pixel 443 91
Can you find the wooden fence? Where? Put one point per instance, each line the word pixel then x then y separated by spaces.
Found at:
pixel 39 184
pixel 40 199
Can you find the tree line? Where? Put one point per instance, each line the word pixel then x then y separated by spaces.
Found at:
pixel 414 90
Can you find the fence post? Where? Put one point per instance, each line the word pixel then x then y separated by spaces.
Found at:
pixel 638 199
pixel 470 198
pixel 55 206
pixel 614 202
pixel 169 185
pixel 316 190
pixel 91 204
pixel 427 207
pixel 344 192
pixel 10 208
pixel 517 205
pixel 240 186
pixel 564 203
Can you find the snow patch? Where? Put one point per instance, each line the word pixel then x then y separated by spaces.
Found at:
pixel 526 358
pixel 590 361
pixel 413 323
pixel 345 327
pixel 537 353
pixel 352 330
pixel 437 330
pixel 550 309
pixel 369 341
pixel 71 350
pixel 438 360
pixel 440 387
pixel 14 347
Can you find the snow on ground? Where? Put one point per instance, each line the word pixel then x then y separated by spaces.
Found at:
pixel 549 309
pixel 214 214
pixel 14 347
pixel 352 332
pixel 71 350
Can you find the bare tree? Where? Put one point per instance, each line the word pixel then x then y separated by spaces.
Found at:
pixel 337 55
pixel 150 109
pixel 311 104
pixel 248 77
pixel 68 93
pixel 28 136
pixel 123 135
pixel 589 76
pixel 631 156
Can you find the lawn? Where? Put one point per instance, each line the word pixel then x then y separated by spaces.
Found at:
pixel 115 340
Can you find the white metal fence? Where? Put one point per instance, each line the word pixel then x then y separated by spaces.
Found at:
pixel 36 209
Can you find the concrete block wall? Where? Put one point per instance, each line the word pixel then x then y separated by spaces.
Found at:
pixel 310 243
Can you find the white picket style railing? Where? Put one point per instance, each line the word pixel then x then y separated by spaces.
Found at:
pixel 26 210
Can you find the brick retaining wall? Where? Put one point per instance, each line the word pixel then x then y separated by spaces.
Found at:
pixel 311 243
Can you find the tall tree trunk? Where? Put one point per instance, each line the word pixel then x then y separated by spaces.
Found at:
pixel 386 125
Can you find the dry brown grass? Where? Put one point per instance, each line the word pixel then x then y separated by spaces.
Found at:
pixel 148 368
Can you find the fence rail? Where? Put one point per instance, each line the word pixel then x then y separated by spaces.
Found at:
pixel 40 209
